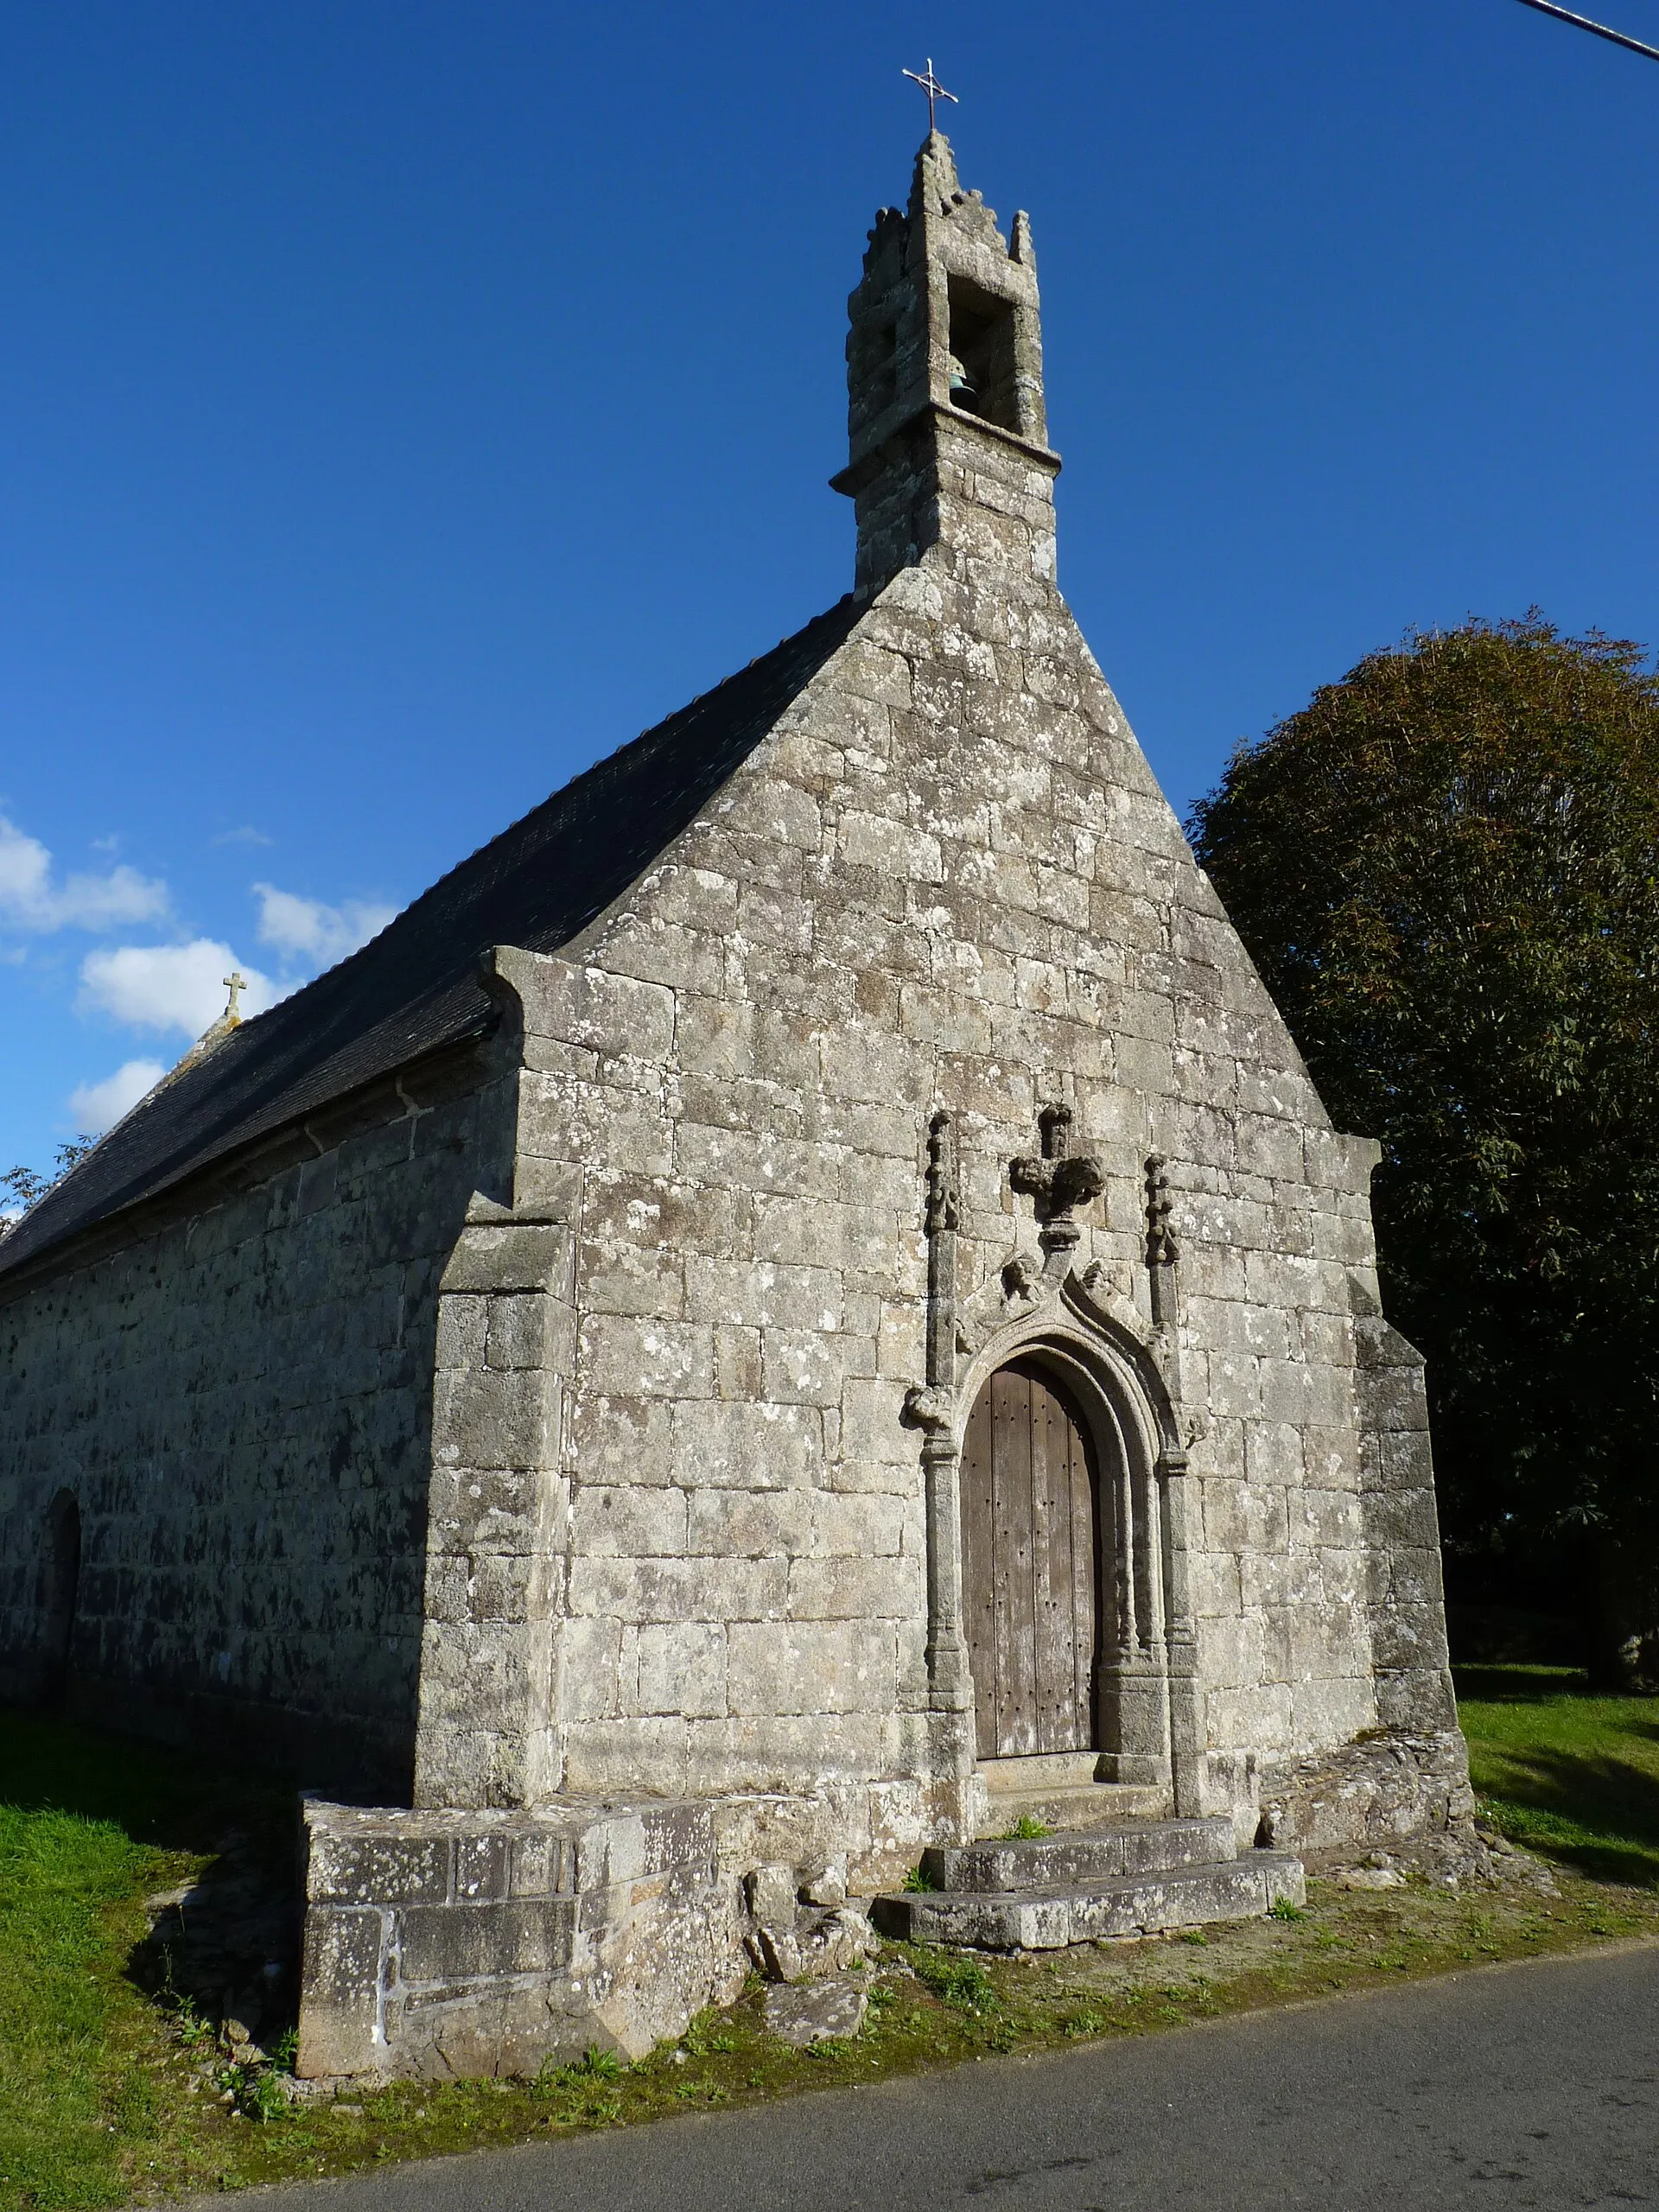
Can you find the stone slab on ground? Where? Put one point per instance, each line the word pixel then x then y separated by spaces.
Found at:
pixel 1048 1919
pixel 1080 1855
pixel 812 2011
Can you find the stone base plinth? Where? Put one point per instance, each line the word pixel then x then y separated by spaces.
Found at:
pixel 1384 1789
pixel 466 1943
pixel 471 1943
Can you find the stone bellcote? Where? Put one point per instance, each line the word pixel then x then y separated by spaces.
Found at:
pixel 948 434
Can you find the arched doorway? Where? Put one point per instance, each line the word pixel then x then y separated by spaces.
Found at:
pixel 1032 1543
pixel 62 1590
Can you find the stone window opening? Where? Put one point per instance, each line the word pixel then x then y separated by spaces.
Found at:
pixel 875 370
pixel 983 380
pixel 62 1592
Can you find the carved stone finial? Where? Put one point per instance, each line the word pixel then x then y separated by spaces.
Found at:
pixel 944 1199
pixel 1162 1250
pixel 1060 1180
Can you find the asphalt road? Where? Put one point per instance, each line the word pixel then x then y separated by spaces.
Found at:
pixel 1536 2084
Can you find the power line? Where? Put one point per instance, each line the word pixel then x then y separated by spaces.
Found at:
pixel 1566 16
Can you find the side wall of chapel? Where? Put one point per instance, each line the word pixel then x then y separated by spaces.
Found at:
pixel 237 1395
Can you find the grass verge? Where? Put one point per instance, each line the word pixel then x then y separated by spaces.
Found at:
pixel 1571 1776
pixel 96 2067
pixel 95 2048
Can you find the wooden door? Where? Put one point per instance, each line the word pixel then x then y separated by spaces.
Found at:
pixel 1030 1564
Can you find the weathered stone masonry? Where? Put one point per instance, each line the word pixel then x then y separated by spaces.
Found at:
pixel 901 1041
pixel 237 1390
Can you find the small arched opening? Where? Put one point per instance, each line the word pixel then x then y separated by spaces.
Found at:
pixel 62 1594
pixel 1036 1562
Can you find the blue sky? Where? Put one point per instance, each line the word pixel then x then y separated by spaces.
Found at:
pixel 402 404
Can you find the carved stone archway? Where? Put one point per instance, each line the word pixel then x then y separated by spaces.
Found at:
pixel 1121 1369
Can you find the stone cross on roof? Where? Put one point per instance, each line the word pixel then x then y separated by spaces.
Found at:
pixel 235 983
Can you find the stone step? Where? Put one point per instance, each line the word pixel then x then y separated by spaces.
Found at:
pixel 1072 1807
pixel 1041 1770
pixel 1084 1912
pixel 1081 1855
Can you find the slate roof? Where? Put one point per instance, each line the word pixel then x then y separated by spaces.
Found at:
pixel 414 988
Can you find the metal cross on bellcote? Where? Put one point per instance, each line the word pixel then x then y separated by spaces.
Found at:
pixel 935 90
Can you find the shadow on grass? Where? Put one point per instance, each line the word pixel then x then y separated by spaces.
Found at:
pixel 228 1941
pixel 1518 1685
pixel 153 1794
pixel 1594 1811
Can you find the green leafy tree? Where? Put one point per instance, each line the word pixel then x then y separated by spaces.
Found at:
pixel 1447 867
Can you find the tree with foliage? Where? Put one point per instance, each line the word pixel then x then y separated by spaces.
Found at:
pixel 1447 867
pixel 26 1186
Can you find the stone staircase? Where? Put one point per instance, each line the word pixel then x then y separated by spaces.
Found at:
pixel 1060 1789
pixel 1109 1867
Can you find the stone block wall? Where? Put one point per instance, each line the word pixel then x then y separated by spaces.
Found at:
pixel 465 1943
pixel 498 1520
pixel 460 1943
pixel 1406 1588
pixel 237 1390
pixel 1388 1790
pixel 948 878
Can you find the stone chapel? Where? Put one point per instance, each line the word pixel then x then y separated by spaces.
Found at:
pixel 798 1304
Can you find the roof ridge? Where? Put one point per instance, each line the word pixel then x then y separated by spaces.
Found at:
pixel 607 761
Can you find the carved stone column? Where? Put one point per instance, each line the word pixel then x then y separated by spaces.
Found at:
pixel 933 1410
pixel 1180 1634
pixel 1132 1697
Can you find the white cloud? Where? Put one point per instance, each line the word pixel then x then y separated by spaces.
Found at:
pixel 304 929
pixel 169 986
pixel 31 897
pixel 247 835
pixel 95 1107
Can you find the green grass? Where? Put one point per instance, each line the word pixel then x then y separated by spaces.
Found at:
pixel 82 1829
pixel 1571 1776
pixel 92 2062
pixel 66 2091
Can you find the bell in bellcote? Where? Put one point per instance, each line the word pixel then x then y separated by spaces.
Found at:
pixel 961 385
